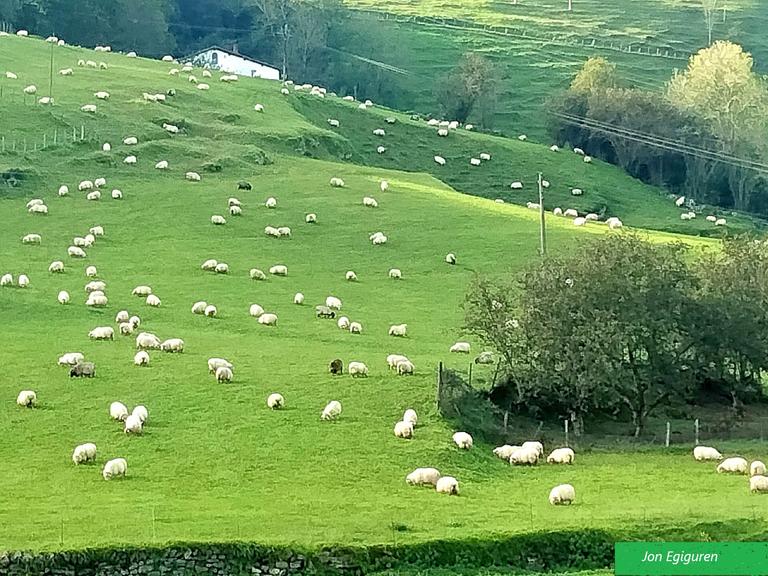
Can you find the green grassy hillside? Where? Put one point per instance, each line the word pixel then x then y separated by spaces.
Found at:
pixel 546 45
pixel 214 463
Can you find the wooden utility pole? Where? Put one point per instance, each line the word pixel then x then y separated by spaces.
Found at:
pixel 542 226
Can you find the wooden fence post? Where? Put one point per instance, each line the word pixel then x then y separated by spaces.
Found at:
pixel 566 432
pixel 696 432
pixel 666 442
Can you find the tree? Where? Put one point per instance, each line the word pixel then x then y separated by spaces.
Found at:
pixel 469 87
pixel 596 74
pixel 607 328
pixel 720 87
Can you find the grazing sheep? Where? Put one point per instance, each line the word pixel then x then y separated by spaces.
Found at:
pixel 505 452
pixel 84 453
pixel 133 424
pixel 405 367
pixel 733 465
pixel 162 165
pixel 31 239
pixel 404 430
pixel 460 347
pixel 561 456
pixel 370 202
pixel 95 195
pixel 142 291
pixel 31 89
pixel 702 453
pixel 484 358
pixel 333 122
pixel 56 266
pixel 379 132
pixel 378 239
pixel 170 128
pixel 271 203
pixel 199 307
pixel 224 374
pixel 398 330
pixel 447 485
pixel 153 301
pixel 720 222
pixel 524 456
pixel 336 367
pixel 23 281
pixel 268 319
pixel 63 297
pixel 126 328
pixel 118 411
pixel 141 413
pixel 38 209
pixel 192 176
pixel 147 340
pixel 423 477
pixel 394 359
pixel 276 401
pixel 214 363
pixel 516 185
pixel 6 280
pixel 70 358
pixel 88 108
pixel 257 274
pixel 91 272
pixel 577 192
pixel 210 311
pixel 235 211
pixel 757 468
pixel 298 298
pixel 351 276
pixel 272 231
pixel 614 223
pixel 381 149
pixel 355 328
pixel 221 268
pixel 115 468
pixel 255 310
pixel 63 190
pixel 130 160
pixel 279 270
pixel 474 161
pixel 284 231
pixel 711 218
pixel 440 160
pixel 134 321
pixel 342 322
pixel 570 213
pixel 357 369
pixel 209 265
pixel 580 221
pixel 27 399
pixel 83 370
pixel 462 440
pixel 333 302
pixel 102 333
pixel 536 446
pixel 332 411
pixel 141 358
pixel 562 494
pixel 758 483
pixel 311 218
pixel 172 345
pixel 587 159
pixel 450 258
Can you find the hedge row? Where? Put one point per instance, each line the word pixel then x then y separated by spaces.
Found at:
pixel 536 551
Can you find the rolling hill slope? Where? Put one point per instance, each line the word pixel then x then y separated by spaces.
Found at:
pixel 214 464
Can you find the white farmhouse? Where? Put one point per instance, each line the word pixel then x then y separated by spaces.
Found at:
pixel 232 62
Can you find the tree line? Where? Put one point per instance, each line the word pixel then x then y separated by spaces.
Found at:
pixel 624 328
pixel 702 136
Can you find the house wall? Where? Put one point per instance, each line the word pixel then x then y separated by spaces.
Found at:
pixel 235 65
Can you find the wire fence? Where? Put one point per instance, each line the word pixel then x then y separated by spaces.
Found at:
pixel 639 48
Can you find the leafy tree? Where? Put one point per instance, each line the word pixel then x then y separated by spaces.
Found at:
pixel 607 328
pixel 469 87
pixel 596 74
pixel 710 8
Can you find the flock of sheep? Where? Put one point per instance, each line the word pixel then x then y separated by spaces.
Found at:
pixel 758 481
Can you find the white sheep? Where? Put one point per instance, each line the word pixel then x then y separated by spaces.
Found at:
pixel 56 266
pixel 255 310
pixel 333 302
pixel 614 223
pixel 311 218
pixel 224 374
pixel 134 321
pixel 172 345
pixel 355 328
pixel 562 494
pixel 393 359
pixel 63 190
pixel 460 348
pixel 126 328
pixel 332 410
pixel 235 211
pixel 580 221
pixel 130 160
pixel 101 95
pixel 720 222
pixel 447 485
pixel 153 301
pixel 450 258
pixel 268 319
pixel 215 363
pixel 210 311
pixel 733 465
pixel 199 307
pixel 351 276
pixel 84 453
pixel 27 399
pixel 577 192
pixel 370 202
pixel 95 195
pixel 379 239
pixel 147 340
pixel 276 401
pixel 505 452
pixel 23 281
pixel 462 440
pixel 257 274
pixel 130 141
pixel 118 411
pixel 279 270
pixel 142 291
pixel 404 430
pixel 141 358
pixel 38 209
pixel 115 468
pixel 88 108
pixel 221 268
pixel 31 89
pixel 405 367
pixel 122 316
pixel 570 213
pixel 440 160
pixel 333 122
pixel 410 416
pixel 91 271
pixel 398 330
pixel 218 220
pixel 524 455
pixel 193 176
pixel 32 239
pixel 423 477
pixel 475 161
pixel 117 194
pixel 358 370
pixel 379 132
pixel 757 468
pixel 381 149
pixel 271 202
pixel 517 185
pixel 343 323
pixel 70 358
pixel 298 298
pixel 284 231
pixel 162 165
pixel 102 333
pixel 203 85
pixel 758 483
pixel 63 297
pixel 702 453
pixel 6 280
pixel 561 456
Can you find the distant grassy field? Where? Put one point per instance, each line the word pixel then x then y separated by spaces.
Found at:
pixel 546 45
pixel 214 463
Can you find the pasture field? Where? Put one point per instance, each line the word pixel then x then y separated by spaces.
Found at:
pixel 215 464
pixel 546 45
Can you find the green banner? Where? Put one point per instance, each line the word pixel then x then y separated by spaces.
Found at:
pixel 693 558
